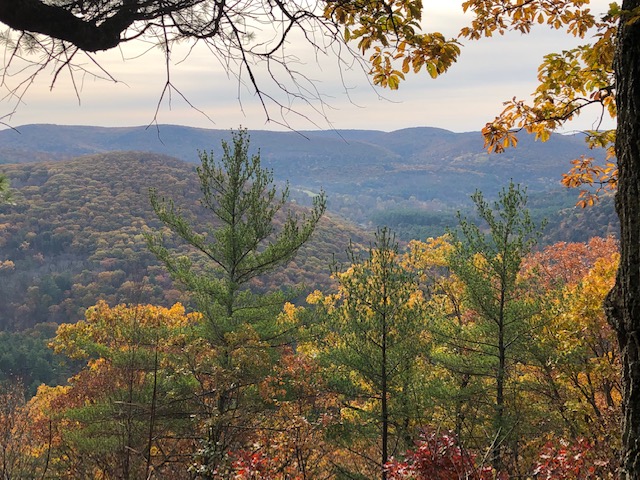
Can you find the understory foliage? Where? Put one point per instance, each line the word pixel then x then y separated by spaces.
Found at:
pixel 438 456
pixel 571 461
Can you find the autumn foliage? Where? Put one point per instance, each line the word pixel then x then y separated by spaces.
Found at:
pixel 143 403
pixel 471 334
pixel 438 456
pixel 576 461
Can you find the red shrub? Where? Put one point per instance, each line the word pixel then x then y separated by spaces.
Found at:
pixel 577 461
pixel 438 457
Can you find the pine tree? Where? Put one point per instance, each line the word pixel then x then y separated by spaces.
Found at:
pixel 488 262
pixel 240 244
pixel 372 339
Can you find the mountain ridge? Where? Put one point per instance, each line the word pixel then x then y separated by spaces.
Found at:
pixel 78 140
pixel 340 161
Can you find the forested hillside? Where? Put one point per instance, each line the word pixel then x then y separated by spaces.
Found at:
pixel 471 356
pixel 74 232
pixel 74 235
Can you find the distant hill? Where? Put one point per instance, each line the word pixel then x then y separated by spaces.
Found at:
pixel 366 174
pixel 74 236
pixel 422 162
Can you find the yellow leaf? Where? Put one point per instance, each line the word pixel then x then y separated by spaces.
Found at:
pixel 406 65
pixel 431 69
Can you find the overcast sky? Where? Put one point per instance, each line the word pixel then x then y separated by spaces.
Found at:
pixel 489 72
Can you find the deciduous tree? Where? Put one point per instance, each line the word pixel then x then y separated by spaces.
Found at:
pixel 243 36
pixel 127 413
pixel 19 457
pixel 576 354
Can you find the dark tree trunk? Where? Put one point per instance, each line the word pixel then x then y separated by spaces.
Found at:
pixel 501 377
pixel 385 390
pixel 623 302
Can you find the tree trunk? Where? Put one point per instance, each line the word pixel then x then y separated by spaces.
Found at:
pixel 501 375
pixel 623 302
pixel 385 393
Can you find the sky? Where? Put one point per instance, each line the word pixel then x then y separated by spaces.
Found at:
pixel 489 72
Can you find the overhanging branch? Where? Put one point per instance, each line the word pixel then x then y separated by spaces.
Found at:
pixel 59 23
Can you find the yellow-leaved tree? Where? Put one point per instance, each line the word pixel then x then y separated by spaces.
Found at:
pixel 589 363
pixel 132 411
pixel 576 364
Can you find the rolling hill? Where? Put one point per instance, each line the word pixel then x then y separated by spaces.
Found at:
pixel 424 163
pixel 75 235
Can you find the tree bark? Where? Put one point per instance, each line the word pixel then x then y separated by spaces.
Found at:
pixel 623 302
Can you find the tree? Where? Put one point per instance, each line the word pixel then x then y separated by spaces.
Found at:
pixel 503 312
pixel 564 381
pixel 241 243
pixel 17 442
pixel 372 340
pixel 447 313
pixel 579 361
pixel 623 301
pixel 575 367
pixel 26 358
pixel 126 413
pixel 291 441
